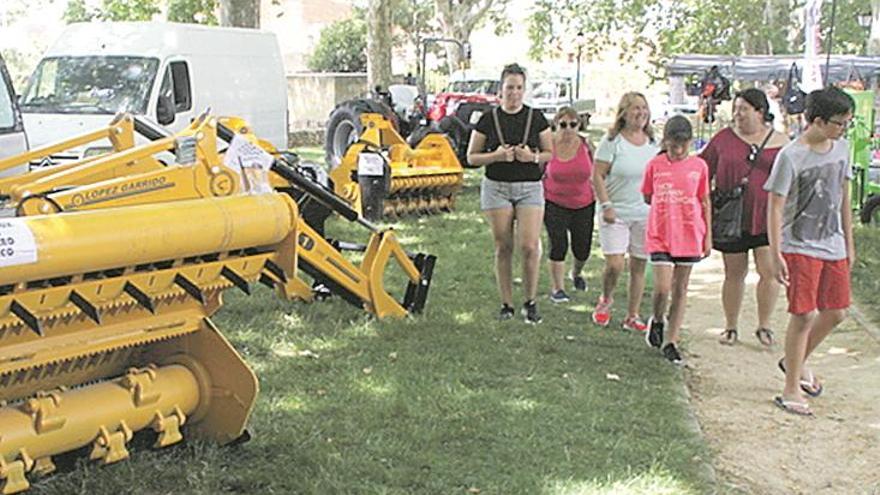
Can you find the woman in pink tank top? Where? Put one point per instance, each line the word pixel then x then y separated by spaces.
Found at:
pixel 569 205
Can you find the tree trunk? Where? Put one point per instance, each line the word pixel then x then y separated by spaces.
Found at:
pixel 874 39
pixel 240 13
pixel 379 43
pixel 458 20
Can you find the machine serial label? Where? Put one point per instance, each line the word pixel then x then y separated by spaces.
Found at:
pixel 17 246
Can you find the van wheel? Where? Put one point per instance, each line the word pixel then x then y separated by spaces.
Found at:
pixel 870 214
pixel 459 134
pixel 344 127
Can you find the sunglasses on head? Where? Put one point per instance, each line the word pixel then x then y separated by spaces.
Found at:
pixel 568 125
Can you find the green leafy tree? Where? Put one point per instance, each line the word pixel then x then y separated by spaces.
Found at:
pixel 689 26
pixel 342 47
pixel 78 11
pixel 193 11
pixel 111 10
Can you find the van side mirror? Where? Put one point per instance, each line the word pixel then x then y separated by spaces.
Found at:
pixel 164 110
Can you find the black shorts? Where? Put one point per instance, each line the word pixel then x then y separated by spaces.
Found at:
pixel 743 245
pixel 667 259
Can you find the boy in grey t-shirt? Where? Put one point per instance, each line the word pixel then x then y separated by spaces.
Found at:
pixel 810 232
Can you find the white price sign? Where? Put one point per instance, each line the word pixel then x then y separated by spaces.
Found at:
pixel 371 164
pixel 245 154
pixel 17 246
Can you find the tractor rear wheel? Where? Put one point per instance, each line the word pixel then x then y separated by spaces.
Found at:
pixel 459 134
pixel 344 127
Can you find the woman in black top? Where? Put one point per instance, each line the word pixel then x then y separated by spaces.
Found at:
pixel 513 141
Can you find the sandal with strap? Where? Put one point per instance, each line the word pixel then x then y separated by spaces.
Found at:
pixel 729 337
pixel 793 407
pixel 812 387
pixel 765 336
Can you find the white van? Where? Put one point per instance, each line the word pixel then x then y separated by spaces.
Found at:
pixel 166 71
pixel 12 138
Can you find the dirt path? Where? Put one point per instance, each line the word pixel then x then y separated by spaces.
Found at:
pixel 759 448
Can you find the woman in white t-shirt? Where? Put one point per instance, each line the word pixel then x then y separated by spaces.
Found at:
pixel 620 163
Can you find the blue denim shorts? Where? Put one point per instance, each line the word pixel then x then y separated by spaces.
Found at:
pixel 496 194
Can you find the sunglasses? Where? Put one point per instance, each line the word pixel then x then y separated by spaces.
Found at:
pixel 568 125
pixel 753 152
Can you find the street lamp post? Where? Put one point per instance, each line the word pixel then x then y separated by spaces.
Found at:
pixel 864 19
pixel 577 80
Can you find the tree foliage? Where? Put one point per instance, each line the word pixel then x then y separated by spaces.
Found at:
pixel 689 26
pixel 342 47
pixel 189 11
pixel 193 11
pixel 111 10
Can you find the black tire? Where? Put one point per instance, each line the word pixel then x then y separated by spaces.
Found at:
pixel 459 134
pixel 344 127
pixel 870 214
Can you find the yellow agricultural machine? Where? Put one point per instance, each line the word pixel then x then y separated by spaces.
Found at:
pixel 105 301
pixel 381 175
pixel 200 171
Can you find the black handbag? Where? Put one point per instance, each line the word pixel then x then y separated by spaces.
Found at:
pixel 727 205
pixel 794 100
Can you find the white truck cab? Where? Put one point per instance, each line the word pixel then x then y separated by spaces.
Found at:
pixel 168 72
pixel 12 138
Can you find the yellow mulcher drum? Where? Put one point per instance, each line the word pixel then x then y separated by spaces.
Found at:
pixel 105 329
pixel 381 174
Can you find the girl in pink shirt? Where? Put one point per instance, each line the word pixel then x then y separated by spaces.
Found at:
pixel 678 235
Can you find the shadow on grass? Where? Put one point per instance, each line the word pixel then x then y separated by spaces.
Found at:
pixel 451 401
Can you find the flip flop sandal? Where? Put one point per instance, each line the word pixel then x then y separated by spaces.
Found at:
pixel 812 387
pixel 765 336
pixel 729 337
pixel 793 407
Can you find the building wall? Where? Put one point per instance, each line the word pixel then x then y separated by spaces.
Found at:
pixel 311 96
pixel 298 25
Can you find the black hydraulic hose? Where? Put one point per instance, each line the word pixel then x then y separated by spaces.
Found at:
pixel 296 178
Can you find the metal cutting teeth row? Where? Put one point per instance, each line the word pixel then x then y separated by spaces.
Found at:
pixel 148 340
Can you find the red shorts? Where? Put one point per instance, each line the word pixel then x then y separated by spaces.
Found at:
pixel 816 284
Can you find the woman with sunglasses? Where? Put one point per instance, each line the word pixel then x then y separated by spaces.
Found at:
pixel 744 152
pixel 569 203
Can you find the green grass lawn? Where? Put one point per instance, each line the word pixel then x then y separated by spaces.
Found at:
pixel 450 401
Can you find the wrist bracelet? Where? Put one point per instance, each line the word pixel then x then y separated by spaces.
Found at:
pixel 537 156
pixel 605 205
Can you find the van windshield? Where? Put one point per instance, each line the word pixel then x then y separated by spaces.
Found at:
pixel 95 85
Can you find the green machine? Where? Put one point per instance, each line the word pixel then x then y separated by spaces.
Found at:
pixel 865 186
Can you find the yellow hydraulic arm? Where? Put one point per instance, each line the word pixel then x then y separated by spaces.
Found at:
pixel 121 135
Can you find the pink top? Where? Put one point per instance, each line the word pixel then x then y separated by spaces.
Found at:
pixel 727 157
pixel 675 223
pixel 567 183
